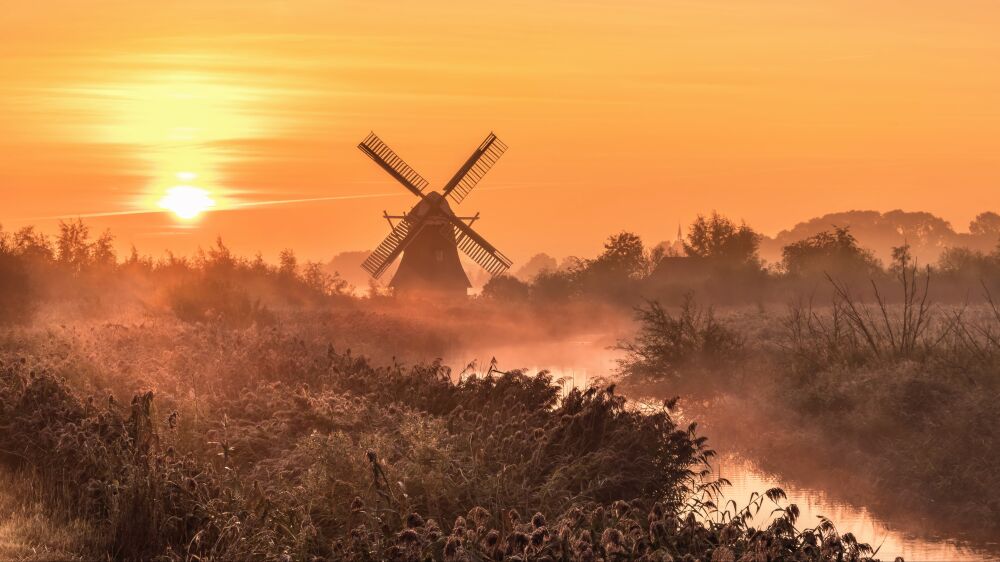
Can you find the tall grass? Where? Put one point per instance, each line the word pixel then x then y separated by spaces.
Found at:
pixel 265 444
pixel 887 384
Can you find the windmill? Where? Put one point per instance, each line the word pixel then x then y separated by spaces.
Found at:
pixel 430 234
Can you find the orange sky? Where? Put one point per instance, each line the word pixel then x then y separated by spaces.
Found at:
pixel 619 115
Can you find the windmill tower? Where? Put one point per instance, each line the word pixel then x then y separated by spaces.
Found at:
pixel 430 235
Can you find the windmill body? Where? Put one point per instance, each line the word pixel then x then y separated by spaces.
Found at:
pixel 430 235
pixel 430 264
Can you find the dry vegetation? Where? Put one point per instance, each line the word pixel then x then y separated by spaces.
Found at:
pixel 179 442
pixel 213 409
pixel 902 394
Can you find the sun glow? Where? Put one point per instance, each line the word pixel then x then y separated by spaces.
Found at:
pixel 186 202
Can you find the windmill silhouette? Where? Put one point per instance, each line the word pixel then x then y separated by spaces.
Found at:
pixel 430 234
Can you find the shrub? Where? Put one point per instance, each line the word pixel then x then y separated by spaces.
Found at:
pixel 666 343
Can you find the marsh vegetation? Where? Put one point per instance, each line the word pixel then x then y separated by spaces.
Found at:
pixel 223 408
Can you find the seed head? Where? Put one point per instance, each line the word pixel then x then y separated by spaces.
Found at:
pixel 357 505
pixel 611 537
pixel 538 520
pixel 491 539
pixel 414 520
pixel 407 537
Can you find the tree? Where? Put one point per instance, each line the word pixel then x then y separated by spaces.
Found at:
pixel 623 255
pixel 834 253
pixel 32 245
pixel 985 224
pixel 315 276
pixel 73 245
pixel 506 288
pixel 537 264
pixel 967 262
pixel 103 250
pixel 719 239
pixel 288 264
pixel 902 259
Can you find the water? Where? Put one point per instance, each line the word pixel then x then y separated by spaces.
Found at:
pixel 586 358
pixel 868 528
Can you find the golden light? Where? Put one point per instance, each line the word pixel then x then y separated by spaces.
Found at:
pixel 187 202
pixel 176 124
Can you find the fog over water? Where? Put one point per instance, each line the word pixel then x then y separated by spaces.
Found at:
pixel 581 359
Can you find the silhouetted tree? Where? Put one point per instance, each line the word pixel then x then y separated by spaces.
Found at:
pixel 624 256
pixel 506 288
pixel 555 286
pixel 836 253
pixel 902 259
pixel 73 245
pixel 103 250
pixel 315 277
pixel 537 264
pixel 985 224
pixel 288 264
pixel 721 240
pixel 969 264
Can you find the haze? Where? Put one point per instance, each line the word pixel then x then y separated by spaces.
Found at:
pixel 634 115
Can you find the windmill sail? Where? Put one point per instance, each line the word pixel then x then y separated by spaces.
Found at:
pixel 393 245
pixel 392 163
pixel 475 168
pixel 477 248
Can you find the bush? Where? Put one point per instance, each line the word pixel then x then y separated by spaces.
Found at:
pixel 208 299
pixel 505 288
pixel 667 344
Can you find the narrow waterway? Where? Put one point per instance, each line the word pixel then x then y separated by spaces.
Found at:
pixel 579 361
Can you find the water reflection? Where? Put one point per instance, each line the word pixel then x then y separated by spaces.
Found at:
pixel 891 542
pixel 585 359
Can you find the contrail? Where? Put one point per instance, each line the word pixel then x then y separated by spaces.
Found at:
pixel 229 207
pixel 252 204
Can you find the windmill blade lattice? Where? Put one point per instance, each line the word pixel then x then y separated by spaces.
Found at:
pixel 474 168
pixel 477 248
pixel 392 163
pixel 393 245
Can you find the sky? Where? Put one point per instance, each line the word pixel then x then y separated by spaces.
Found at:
pixel 619 115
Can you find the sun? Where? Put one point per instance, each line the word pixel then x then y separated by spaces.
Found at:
pixel 186 202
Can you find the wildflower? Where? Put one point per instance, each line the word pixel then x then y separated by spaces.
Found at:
pixel 433 530
pixel 656 512
pixel 517 541
pixel 620 508
pixel 491 539
pixel 723 554
pixel 597 517
pixel 452 547
pixel 479 516
pixel 611 537
pixel 407 536
pixel 414 520
pixel 357 505
pixel 538 520
pixel 657 530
